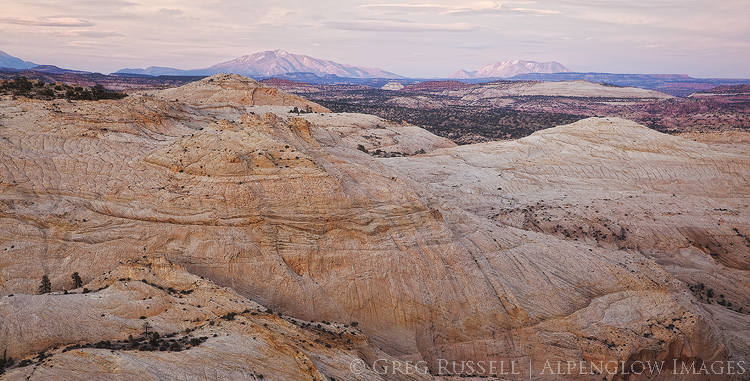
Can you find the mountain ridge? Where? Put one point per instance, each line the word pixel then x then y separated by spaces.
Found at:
pixel 508 69
pixel 8 61
pixel 674 84
pixel 271 63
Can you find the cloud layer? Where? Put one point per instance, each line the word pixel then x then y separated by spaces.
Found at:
pixel 46 21
pixel 416 38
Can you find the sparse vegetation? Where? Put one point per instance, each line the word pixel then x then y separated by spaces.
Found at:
pixel 478 120
pixel 21 86
pixel 147 342
pixel 464 125
pixel 708 295
pixel 229 316
pixel 6 362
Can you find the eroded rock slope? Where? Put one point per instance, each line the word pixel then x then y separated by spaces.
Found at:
pixel 611 183
pixel 425 252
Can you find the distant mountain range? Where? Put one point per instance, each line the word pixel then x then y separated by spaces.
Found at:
pixel 272 63
pixel 301 68
pixel 8 61
pixel 280 62
pixel 508 69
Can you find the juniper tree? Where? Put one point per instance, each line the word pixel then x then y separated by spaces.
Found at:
pixel 77 281
pixel 46 286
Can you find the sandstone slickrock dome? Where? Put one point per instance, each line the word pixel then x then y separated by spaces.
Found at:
pixel 248 342
pixel 233 88
pixel 199 208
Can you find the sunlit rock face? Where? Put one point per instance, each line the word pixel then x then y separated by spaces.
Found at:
pixel 457 253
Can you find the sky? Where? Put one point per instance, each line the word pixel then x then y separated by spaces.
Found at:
pixel 431 38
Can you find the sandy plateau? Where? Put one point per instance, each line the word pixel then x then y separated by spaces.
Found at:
pixel 264 242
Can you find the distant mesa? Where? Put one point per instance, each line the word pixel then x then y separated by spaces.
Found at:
pixel 52 69
pixel 493 91
pixel 680 85
pixel 393 85
pixel 508 69
pixel 160 70
pixel 272 63
pixel 8 61
pixel 431 86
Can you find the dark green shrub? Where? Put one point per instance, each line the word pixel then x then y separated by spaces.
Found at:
pixel 46 286
pixel 77 281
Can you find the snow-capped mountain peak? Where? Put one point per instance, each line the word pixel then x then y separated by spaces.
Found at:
pixel 507 69
pixel 277 62
pixel 272 63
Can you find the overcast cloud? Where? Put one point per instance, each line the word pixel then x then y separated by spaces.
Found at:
pixel 702 38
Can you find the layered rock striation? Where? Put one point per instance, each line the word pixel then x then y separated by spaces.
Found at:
pixel 427 252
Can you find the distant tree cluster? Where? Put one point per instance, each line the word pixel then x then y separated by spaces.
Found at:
pixel 380 153
pixel 45 286
pixel 470 121
pixel 21 86
pixel 463 125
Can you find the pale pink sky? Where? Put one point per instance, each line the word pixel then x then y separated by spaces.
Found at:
pixel 702 38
